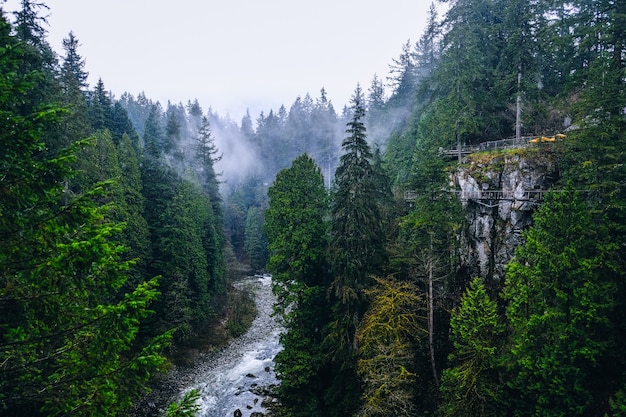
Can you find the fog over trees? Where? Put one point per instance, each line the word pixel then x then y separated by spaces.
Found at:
pixel 124 221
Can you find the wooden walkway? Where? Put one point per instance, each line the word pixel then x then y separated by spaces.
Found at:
pixel 535 196
pixel 508 195
pixel 510 143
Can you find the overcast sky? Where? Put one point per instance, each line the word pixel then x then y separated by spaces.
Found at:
pixel 236 54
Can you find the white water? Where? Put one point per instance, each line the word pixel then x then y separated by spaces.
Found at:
pixel 235 377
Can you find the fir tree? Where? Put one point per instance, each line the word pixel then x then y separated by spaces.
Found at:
pixel 357 251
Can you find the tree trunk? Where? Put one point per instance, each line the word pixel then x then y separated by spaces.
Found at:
pixel 431 311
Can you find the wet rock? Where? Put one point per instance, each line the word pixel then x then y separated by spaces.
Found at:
pixel 495 226
pixel 217 374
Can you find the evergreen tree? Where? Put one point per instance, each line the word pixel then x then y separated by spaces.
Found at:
pixel 205 154
pixel 427 49
pixel 153 133
pixel 472 385
pixel 387 337
pixel 98 163
pixel 68 337
pixel 255 239
pixel 464 77
pixel 299 125
pixel 247 129
pixel 297 235
pixel 73 81
pixel 100 107
pixel 561 289
pixel 403 83
pixel 73 64
pixel 323 134
pixel 173 132
pixel 376 115
pixel 29 27
pixel 357 251
pixel 29 24
pixel 186 288
pixel 519 75
pixel 135 236
pixel 121 125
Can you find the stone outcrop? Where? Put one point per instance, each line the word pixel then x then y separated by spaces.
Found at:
pixel 499 192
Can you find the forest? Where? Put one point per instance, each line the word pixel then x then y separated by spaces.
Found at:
pixel 120 233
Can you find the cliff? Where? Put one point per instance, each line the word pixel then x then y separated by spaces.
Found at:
pixel 499 192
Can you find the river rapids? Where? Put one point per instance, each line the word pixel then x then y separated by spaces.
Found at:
pixel 237 380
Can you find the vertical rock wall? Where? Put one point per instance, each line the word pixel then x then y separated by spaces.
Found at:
pixel 494 225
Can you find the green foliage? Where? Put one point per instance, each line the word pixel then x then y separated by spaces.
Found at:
pixel 296 227
pixel 618 404
pixel 68 336
pixel 472 385
pixel 561 292
pixel 179 256
pixel 300 365
pixel 386 338
pixel 255 239
pixel 100 107
pixel 135 235
pixel 357 249
pixel 187 406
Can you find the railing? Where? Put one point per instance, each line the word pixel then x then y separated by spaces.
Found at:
pixel 525 195
pixel 501 144
pixel 492 195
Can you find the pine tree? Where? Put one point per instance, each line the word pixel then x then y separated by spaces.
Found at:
pixel 121 125
pixel 323 135
pixel 29 24
pixel 73 81
pixel 173 132
pixel 427 49
pixel 464 78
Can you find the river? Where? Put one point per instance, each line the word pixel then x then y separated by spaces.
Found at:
pixel 239 376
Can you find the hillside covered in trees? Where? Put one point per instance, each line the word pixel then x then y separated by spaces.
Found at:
pixel 123 221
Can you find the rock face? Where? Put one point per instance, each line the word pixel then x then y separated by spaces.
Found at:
pixel 499 192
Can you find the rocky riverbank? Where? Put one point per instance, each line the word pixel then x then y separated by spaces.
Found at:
pixel 237 380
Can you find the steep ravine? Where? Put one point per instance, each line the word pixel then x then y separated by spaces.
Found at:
pixel 494 226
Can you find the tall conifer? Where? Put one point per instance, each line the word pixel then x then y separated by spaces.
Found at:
pixel 357 251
